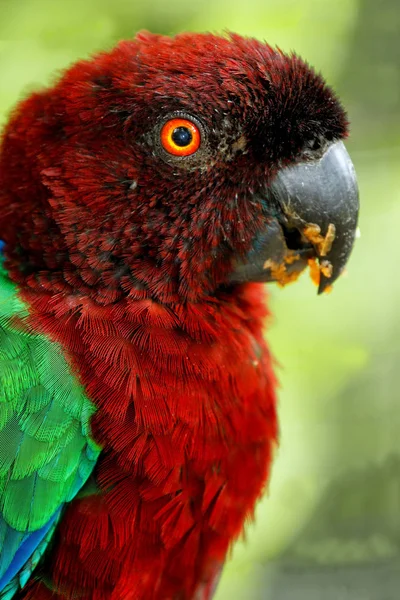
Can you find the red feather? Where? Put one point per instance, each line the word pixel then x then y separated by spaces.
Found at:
pixel 187 441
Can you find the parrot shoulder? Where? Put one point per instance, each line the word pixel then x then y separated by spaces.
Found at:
pixel 46 450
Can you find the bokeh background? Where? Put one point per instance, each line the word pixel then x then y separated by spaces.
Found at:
pixel 330 524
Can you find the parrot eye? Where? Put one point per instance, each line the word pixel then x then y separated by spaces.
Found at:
pixel 180 137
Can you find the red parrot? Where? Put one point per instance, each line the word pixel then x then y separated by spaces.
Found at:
pixel 145 199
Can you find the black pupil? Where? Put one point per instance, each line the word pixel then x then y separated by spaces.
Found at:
pixel 182 136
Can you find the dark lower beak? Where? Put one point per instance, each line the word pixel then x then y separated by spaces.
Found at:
pixel 311 213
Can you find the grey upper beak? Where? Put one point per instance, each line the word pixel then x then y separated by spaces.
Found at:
pixel 323 193
pixel 311 211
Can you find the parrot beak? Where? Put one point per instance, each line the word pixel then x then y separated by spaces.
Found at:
pixel 311 212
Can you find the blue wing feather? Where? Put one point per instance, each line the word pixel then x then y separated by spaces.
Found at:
pixel 25 550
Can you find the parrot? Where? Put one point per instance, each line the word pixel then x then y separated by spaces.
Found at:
pixel 147 196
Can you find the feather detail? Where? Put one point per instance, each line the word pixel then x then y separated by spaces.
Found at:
pixel 26 558
pixel 46 452
pixel 187 430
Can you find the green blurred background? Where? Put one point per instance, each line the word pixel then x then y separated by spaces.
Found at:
pixel 330 526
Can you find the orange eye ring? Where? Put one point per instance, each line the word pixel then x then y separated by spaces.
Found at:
pixel 180 137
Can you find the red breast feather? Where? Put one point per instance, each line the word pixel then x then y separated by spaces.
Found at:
pixel 187 421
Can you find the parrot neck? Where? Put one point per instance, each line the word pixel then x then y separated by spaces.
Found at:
pixel 157 366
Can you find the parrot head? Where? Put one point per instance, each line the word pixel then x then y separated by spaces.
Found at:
pixel 173 167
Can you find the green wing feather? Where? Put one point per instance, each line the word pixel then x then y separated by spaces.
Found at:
pixel 46 451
